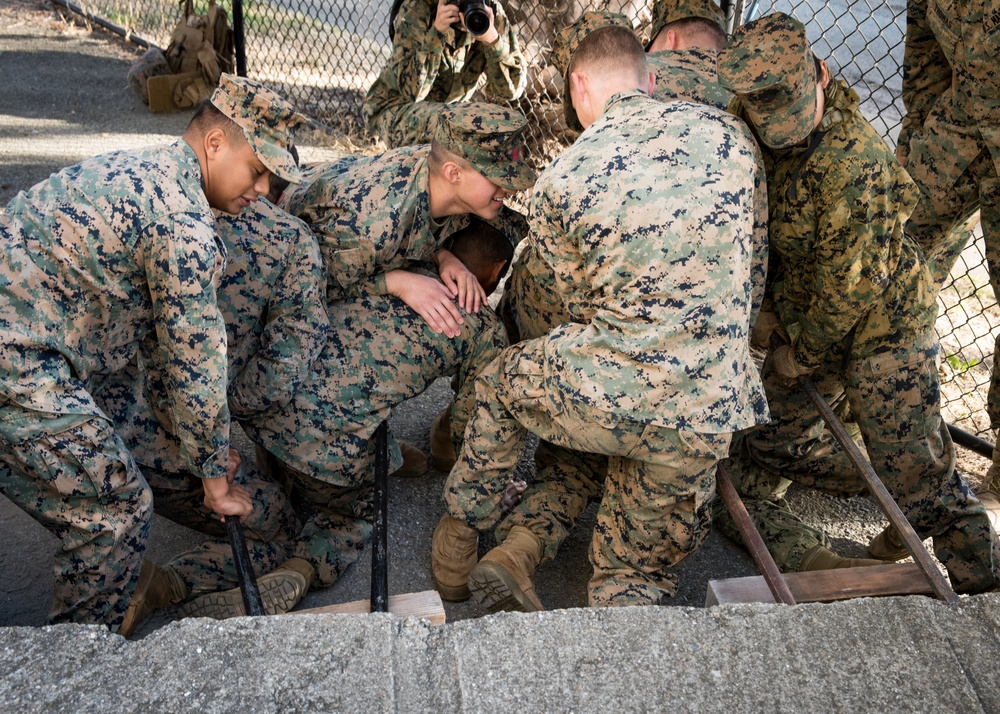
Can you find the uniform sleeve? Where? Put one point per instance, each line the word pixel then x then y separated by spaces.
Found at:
pixel 852 248
pixel 352 260
pixel 294 335
pixel 557 249
pixel 926 72
pixel 506 68
pixel 413 66
pixel 759 263
pixel 184 264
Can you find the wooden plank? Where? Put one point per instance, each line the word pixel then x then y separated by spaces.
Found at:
pixel 826 585
pixel 751 537
pixel 425 605
pixel 939 583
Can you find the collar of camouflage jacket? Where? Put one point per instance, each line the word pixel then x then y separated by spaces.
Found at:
pixel 842 103
pixel 622 97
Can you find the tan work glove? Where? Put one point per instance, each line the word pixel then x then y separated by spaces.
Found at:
pixel 767 325
pixel 784 363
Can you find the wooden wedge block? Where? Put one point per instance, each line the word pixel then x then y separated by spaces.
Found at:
pixel 426 605
pixel 161 91
pixel 826 585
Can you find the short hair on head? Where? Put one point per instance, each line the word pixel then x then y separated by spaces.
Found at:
pixel 698 31
pixel 277 185
pixel 480 246
pixel 611 50
pixel 208 117
pixel 439 155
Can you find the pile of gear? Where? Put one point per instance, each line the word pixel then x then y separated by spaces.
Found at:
pixel 201 48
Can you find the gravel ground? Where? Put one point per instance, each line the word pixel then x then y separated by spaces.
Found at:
pixel 64 98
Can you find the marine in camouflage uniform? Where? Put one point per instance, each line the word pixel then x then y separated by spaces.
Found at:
pixel 379 353
pixel 687 71
pixel 373 215
pixel 949 141
pixel 858 302
pixel 531 306
pixel 272 300
pixel 116 256
pixel 429 68
pixel 686 74
pixel 655 377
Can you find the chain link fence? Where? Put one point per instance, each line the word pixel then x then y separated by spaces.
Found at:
pixel 324 54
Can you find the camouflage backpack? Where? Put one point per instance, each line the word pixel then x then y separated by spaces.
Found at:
pixel 151 63
pixel 201 48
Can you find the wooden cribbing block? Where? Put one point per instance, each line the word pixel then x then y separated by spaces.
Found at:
pixel 826 585
pixel 426 605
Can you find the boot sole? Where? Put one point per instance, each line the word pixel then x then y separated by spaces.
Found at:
pixel 495 588
pixel 278 595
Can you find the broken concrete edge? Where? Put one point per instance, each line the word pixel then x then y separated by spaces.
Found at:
pixel 894 653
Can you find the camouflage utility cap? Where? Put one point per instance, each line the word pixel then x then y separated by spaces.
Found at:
pixel 667 11
pixel 489 138
pixel 768 64
pixel 564 46
pixel 568 39
pixel 266 119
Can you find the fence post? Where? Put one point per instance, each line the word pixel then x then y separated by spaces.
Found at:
pixel 239 39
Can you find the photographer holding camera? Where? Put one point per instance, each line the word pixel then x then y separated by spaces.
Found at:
pixel 441 49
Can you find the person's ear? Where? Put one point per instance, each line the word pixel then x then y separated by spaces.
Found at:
pixel 673 41
pixel 580 84
pixel 652 84
pixel 580 93
pixel 824 73
pixel 215 141
pixel 452 172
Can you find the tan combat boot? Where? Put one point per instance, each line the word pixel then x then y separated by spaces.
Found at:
pixel 414 462
pixel 280 591
pixel 454 550
pixel 502 580
pixel 887 546
pixel 157 588
pixel 820 558
pixel 443 455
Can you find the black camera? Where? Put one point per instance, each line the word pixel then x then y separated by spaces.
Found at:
pixel 477 20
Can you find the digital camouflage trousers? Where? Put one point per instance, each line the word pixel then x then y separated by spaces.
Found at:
pixel 655 509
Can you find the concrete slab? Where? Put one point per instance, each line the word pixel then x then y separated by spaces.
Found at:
pixel 892 654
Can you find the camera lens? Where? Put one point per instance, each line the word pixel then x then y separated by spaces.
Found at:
pixel 477 21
